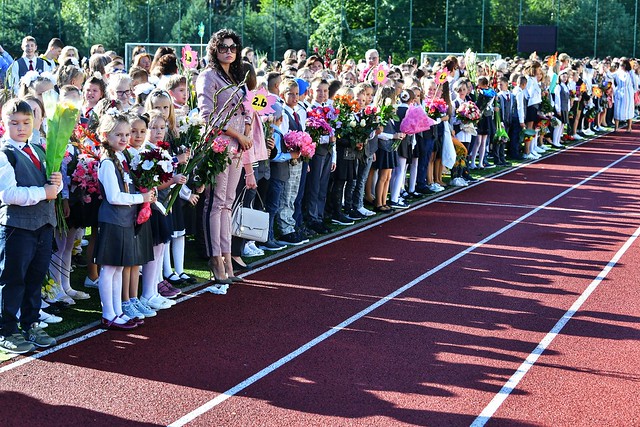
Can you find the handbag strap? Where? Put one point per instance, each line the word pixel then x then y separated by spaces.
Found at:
pixel 240 198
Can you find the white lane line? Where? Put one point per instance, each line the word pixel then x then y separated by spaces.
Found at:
pixel 302 349
pixel 515 379
pixel 550 208
pixel 49 351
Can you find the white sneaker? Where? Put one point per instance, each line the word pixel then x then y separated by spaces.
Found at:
pixel 88 283
pixel 170 301
pixel 436 188
pixel 366 212
pixel 536 154
pixel 250 251
pixel 156 302
pixel 78 295
pixel 588 132
pixel 49 318
pixel 577 137
pixel 539 149
pixel 218 289
pixel 459 182
pixel 556 144
pixel 529 156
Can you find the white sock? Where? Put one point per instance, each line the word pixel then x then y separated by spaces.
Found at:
pixel 557 134
pixel 149 274
pixel 178 245
pixel 166 260
pixel 105 287
pixel 66 258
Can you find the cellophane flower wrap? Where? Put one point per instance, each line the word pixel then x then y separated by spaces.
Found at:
pixel 151 167
pixel 319 121
pixel 302 142
pixel 61 120
pixel 437 108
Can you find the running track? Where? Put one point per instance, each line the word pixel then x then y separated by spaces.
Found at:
pixel 425 318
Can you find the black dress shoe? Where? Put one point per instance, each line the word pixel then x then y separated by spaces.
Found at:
pixel 238 266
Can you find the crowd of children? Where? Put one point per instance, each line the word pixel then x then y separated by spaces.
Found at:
pixel 413 115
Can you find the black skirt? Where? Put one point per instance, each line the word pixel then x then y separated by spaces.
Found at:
pixel 117 246
pixel 531 115
pixel 177 216
pixel 486 125
pixel 84 215
pixel 161 227
pixel 386 159
pixel 144 239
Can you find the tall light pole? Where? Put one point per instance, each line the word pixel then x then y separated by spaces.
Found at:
pixel 635 29
pixel 595 33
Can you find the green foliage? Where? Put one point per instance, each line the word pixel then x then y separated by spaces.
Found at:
pixel 323 23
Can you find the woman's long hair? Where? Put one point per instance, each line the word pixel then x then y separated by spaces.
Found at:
pixel 235 69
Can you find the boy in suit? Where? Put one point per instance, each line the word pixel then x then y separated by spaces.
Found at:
pixel 27 219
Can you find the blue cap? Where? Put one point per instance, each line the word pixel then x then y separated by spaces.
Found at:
pixel 303 85
pixel 277 110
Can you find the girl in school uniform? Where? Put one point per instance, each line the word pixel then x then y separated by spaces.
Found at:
pixel 161 226
pixel 116 247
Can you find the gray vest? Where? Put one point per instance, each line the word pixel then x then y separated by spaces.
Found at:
pixel 23 67
pixel 121 215
pixel 27 175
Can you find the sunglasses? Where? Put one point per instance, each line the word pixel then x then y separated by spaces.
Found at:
pixel 224 48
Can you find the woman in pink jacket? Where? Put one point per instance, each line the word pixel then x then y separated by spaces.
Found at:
pixel 225 68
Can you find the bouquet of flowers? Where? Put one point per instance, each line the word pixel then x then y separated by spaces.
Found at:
pixel 150 168
pixel 345 107
pixel 61 121
pixel 215 161
pixel 437 108
pixel 49 290
pixel 85 177
pixel 300 141
pixel 468 112
pixel 386 112
pixel 319 122
pixel 546 106
pixel 356 125
pixel 190 129
pixel 202 144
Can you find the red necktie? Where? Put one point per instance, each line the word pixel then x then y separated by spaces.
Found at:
pixel 30 65
pixel 125 166
pixel 33 157
pixel 297 118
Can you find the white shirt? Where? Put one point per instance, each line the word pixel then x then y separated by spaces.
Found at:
pixel 10 192
pixel 518 96
pixel 108 177
pixel 534 91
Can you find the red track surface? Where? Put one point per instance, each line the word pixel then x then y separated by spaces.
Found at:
pixel 436 354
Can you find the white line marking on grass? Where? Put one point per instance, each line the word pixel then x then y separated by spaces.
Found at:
pixel 515 379
pixel 302 349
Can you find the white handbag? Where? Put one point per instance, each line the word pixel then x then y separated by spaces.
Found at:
pixel 248 223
